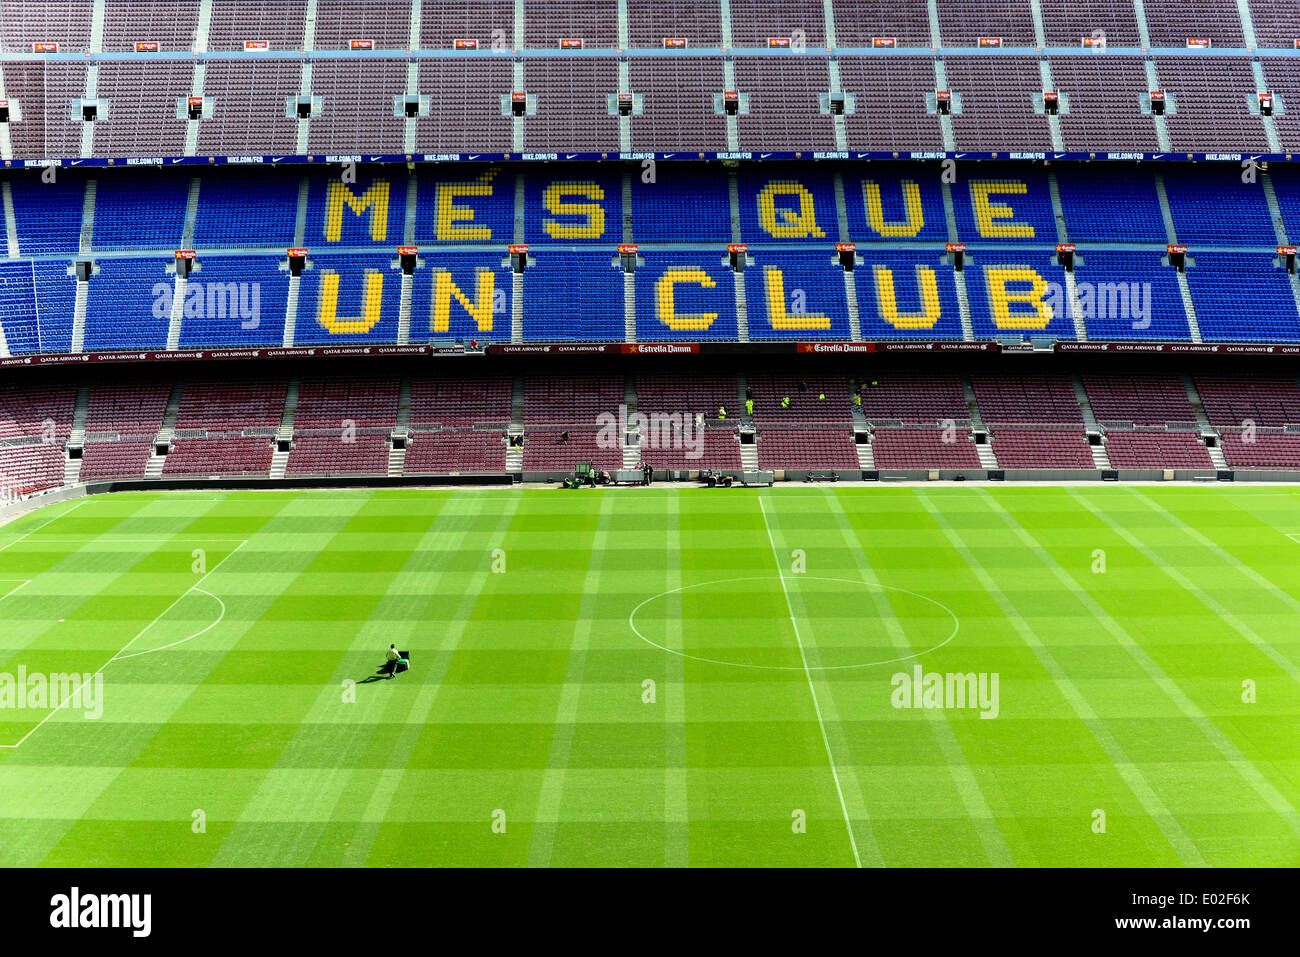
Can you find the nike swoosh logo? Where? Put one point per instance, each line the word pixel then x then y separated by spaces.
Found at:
pixel 373 158
pixel 276 159
pixel 75 163
pixel 475 156
pixel 570 155
pixel 175 161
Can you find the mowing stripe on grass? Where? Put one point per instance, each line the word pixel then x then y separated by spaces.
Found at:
pixel 386 787
pixel 274 826
pixel 972 796
pixel 1213 733
pixel 1168 824
pixel 1201 595
pixel 547 818
pixel 860 813
pixel 1259 579
pixel 812 688
pixel 677 833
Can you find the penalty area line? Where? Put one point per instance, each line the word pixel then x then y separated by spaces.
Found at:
pixel 122 651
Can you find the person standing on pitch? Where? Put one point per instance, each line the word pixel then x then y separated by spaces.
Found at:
pixel 393 656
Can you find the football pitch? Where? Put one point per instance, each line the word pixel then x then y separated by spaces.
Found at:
pixel 801 676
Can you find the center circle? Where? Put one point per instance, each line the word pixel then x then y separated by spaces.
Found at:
pixel 745 623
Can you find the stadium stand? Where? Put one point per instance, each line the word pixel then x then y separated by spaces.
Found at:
pixel 89 263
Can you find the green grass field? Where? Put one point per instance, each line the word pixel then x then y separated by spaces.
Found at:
pixel 656 677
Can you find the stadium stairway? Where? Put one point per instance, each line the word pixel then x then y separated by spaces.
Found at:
pixel 284 434
pixel 515 431
pixel 397 440
pixel 631 441
pixel 77 437
pixel 866 454
pixel 154 468
pixel 1210 437
pixel 749 455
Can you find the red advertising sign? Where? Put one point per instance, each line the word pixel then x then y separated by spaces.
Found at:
pixel 465 44
pixel 1049 97
pixel 520 249
pixel 846 247
pixel 298 252
pixel 196 101
pixel 571 43
pixel 675 43
pixel 519 97
pixel 1157 96
pixel 778 41
pixel 990 41
pixel 737 247
pixel 955 247
pixel 884 41
pixel 45 48
pixel 184 254
pixel 1093 42
pixel 1266 99
pixel 1286 250
pixel 408 250
pixel 625 97
pixel 1198 43
pixel 943 94
pixel 146 46
pixel 627 248
pixel 361 44
pixel 1176 248
pixel 1065 247
pixel 257 45
pixel 4 102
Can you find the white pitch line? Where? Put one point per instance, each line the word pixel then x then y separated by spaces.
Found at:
pixel 56 708
pixel 50 522
pixel 821 723
pixel 220 619
pixel 24 583
pixel 180 538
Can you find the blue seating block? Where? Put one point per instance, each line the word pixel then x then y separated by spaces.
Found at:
pixel 796 295
pixel 923 290
pixel 574 295
pixel 235 302
pixel 686 297
pixel 479 280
